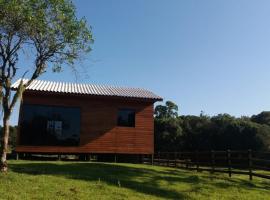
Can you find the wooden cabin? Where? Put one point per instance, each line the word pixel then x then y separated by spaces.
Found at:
pixel 69 118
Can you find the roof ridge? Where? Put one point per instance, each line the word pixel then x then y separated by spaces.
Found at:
pixel 101 85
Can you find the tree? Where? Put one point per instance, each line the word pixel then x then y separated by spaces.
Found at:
pixel 168 110
pixel 168 132
pixel 261 118
pixel 167 127
pixel 12 136
pixel 50 32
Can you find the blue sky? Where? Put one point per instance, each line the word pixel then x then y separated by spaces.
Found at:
pixel 211 56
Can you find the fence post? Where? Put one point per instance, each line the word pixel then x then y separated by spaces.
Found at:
pixel 152 159
pixel 250 163
pixel 175 157
pixel 186 161
pixel 179 158
pixel 168 159
pixel 158 158
pixel 229 162
pixel 213 161
pixel 197 160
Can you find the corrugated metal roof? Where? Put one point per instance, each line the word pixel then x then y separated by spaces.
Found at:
pixel 88 89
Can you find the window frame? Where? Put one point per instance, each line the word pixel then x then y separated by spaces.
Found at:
pixel 21 118
pixel 117 117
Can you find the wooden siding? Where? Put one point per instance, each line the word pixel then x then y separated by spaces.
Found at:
pixel 99 130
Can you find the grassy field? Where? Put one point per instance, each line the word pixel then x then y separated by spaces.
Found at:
pixel 82 180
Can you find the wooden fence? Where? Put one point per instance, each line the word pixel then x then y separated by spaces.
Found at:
pixel 251 163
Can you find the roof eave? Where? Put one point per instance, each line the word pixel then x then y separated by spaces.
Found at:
pixel 93 95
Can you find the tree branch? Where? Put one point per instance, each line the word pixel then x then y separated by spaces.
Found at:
pixel 16 46
pixel 19 91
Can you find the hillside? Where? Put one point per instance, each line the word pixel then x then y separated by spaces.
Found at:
pixel 82 180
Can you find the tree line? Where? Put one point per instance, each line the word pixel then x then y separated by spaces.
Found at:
pixel 203 132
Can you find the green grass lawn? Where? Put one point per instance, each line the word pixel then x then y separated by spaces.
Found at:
pixel 82 180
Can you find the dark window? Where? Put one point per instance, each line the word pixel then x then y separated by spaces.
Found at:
pixel 50 125
pixel 126 117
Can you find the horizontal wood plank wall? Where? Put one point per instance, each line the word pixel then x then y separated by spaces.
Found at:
pixel 99 130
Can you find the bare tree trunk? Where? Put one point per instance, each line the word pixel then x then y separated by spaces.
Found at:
pixel 4 144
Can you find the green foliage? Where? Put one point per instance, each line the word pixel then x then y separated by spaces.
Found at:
pixel 262 118
pixel 169 110
pixel 168 134
pixel 50 27
pixel 219 132
pixel 83 180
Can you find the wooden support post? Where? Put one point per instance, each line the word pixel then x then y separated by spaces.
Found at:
pixel 17 156
pixel 250 163
pixel 152 159
pixel 115 158
pixel 59 157
pixel 213 161
pixel 229 162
